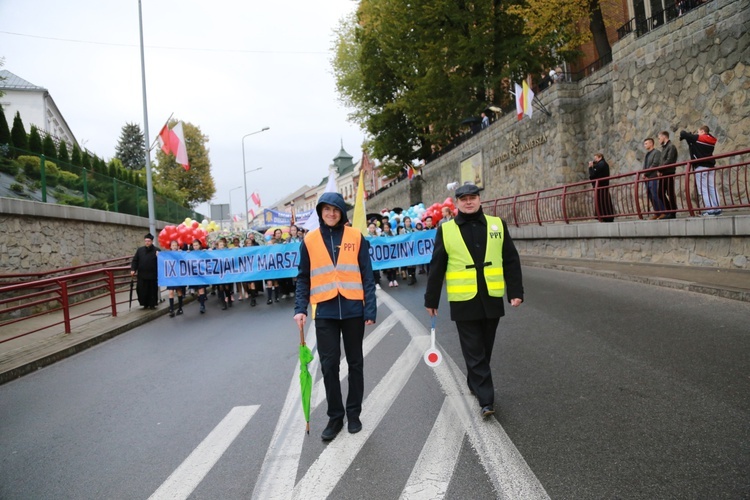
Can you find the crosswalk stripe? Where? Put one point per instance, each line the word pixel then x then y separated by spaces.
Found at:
pixel 432 473
pixel 506 468
pixel 323 475
pixel 181 483
pixel 279 470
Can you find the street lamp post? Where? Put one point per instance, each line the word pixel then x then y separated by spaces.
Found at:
pixel 244 170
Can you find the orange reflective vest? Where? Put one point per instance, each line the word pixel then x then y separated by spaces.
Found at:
pixel 327 280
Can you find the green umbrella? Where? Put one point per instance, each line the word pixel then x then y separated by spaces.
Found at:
pixel 305 379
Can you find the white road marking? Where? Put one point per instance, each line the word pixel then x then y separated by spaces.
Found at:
pixel 323 475
pixel 279 470
pixel 181 483
pixel 437 461
pixel 505 466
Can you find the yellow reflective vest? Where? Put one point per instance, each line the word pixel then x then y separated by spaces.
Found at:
pixel 461 275
pixel 327 280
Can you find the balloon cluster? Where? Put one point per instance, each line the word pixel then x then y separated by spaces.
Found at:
pixel 186 232
pixel 418 213
pixel 284 233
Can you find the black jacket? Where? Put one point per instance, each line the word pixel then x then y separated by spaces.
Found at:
pixel 144 262
pixel 668 157
pixel 600 170
pixel 701 146
pixel 473 229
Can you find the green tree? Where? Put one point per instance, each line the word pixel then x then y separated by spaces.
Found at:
pixel 62 152
pixel 413 71
pixel 86 161
pixel 131 147
pixel 35 141
pixel 4 129
pixel 567 24
pixel 196 184
pixel 76 157
pixel 18 133
pixel 48 147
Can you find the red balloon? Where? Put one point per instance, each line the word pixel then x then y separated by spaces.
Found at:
pixel 195 224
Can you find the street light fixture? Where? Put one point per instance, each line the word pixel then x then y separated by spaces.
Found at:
pixel 245 171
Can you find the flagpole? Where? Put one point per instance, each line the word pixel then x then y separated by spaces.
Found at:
pixel 149 181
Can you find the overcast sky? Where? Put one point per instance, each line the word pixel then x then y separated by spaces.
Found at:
pixel 229 67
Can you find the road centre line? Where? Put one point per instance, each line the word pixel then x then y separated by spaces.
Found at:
pixel 183 481
pixel 432 473
pixel 324 474
pixel 279 470
pixel 505 466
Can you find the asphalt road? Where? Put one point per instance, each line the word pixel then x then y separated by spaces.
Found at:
pixel 604 389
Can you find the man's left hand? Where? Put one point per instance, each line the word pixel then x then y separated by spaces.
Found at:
pixel 516 302
pixel 369 322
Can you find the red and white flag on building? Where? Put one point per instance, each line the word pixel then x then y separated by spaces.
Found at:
pixel 256 199
pixel 251 214
pixel 172 142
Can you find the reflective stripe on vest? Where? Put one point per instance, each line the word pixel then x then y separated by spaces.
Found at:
pixel 461 274
pixel 328 280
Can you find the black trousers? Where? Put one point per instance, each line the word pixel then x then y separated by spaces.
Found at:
pixel 666 188
pixel 330 332
pixel 477 339
pixel 147 291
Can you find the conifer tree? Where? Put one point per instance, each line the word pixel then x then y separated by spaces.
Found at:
pixel 131 147
pixel 48 147
pixel 62 152
pixel 35 141
pixel 86 160
pixel 18 133
pixel 75 156
pixel 4 129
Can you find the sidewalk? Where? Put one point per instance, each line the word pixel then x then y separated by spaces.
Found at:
pixel 26 354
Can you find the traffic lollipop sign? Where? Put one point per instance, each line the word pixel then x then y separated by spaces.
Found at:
pixel 432 356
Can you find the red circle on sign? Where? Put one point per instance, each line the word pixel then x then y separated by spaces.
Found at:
pixel 432 357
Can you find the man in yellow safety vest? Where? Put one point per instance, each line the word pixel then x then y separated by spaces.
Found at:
pixel 477 258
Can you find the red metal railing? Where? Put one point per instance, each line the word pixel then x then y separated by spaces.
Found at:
pixel 629 194
pixel 23 301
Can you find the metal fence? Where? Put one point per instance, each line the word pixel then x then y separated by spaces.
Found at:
pixel 583 201
pixel 55 181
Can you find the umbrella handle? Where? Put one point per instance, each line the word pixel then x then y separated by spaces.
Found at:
pixel 301 336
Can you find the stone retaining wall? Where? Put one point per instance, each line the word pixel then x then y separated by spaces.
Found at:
pixel 41 236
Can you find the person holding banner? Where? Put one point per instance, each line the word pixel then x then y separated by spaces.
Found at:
pixel 477 257
pixel 335 274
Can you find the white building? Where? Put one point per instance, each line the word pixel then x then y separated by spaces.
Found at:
pixel 36 106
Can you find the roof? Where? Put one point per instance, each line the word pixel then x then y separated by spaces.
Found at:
pixel 10 81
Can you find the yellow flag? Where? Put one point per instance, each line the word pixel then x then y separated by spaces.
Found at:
pixel 358 221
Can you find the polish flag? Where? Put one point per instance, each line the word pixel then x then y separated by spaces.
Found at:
pixel 251 213
pixel 173 142
pixel 256 199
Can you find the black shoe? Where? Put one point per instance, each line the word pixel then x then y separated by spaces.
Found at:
pixel 332 430
pixel 203 309
pixel 354 425
pixel 171 313
pixel 487 411
pixel 224 306
pixel 179 311
pixel 277 299
pixel 269 302
pixel 252 302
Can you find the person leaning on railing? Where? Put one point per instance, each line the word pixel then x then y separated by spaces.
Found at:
pixel 701 145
